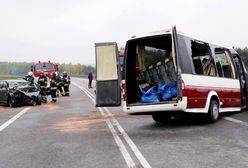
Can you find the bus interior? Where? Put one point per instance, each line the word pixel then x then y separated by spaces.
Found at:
pixel 152 67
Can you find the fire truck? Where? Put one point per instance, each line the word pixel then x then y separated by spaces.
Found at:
pixel 47 67
pixel 121 59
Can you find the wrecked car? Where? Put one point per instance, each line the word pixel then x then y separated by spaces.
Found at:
pixel 19 92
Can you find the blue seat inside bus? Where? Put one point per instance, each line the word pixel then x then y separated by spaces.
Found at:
pixel 153 74
pixel 146 76
pixel 170 69
pixel 163 74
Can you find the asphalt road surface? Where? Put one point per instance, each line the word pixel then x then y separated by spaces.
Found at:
pixel 73 133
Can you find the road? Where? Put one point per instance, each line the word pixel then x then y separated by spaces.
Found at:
pixel 73 133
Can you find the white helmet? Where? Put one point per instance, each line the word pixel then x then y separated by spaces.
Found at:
pixel 30 73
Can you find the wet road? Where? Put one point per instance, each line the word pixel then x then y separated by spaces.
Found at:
pixel 74 133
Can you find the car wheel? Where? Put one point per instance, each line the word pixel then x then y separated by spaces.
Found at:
pixel 161 118
pixel 213 112
pixel 11 102
pixel 39 100
pixel 34 103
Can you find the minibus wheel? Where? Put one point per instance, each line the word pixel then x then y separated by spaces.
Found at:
pixel 213 112
pixel 161 117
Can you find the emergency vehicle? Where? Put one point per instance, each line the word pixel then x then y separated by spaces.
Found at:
pixel 169 72
pixel 121 60
pixel 47 67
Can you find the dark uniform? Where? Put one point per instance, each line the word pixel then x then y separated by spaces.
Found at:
pixel 53 88
pixel 90 77
pixel 66 80
pixel 42 82
pixel 59 83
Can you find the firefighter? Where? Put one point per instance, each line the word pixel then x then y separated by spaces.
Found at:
pixel 29 78
pixel 59 84
pixel 53 88
pixel 66 80
pixel 42 82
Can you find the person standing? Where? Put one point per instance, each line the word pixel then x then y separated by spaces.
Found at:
pixel 59 84
pixel 42 82
pixel 90 77
pixel 66 80
pixel 29 78
pixel 53 88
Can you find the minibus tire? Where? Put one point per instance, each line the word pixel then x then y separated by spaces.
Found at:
pixel 161 118
pixel 213 112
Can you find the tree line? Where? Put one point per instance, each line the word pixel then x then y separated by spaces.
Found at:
pixel 243 54
pixel 22 68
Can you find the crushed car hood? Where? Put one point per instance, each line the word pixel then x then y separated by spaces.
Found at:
pixel 30 91
pixel 29 94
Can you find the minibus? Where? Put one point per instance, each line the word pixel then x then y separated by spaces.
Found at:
pixel 168 72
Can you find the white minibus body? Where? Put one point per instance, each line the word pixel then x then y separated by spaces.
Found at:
pixel 170 72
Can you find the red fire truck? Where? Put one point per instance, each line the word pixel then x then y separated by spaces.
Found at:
pixel 47 67
pixel 121 59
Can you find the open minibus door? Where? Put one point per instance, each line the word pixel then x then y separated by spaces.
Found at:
pixel 177 57
pixel 243 78
pixel 108 91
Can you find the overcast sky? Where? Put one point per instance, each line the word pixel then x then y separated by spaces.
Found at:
pixel 65 31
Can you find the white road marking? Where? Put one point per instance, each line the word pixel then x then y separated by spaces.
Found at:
pixel 121 146
pixel 84 90
pixel 10 121
pixel 134 148
pixel 236 121
pixel 129 161
pixel 131 144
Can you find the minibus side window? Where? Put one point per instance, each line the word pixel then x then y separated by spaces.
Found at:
pixel 224 63
pixel 202 60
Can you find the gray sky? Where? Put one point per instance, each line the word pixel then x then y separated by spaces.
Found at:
pixel 65 31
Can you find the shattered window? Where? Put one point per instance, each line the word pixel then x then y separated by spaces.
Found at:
pixel 202 60
pixel 224 64
pixel 13 84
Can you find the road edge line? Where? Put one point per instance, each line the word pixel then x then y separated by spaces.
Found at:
pixel 127 157
pixel 129 141
pixel 236 121
pixel 11 120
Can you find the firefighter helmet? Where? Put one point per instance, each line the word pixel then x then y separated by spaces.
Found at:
pixel 30 73
pixel 64 73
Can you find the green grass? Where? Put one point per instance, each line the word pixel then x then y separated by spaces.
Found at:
pixel 7 77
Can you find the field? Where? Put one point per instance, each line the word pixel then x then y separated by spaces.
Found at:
pixel 8 77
